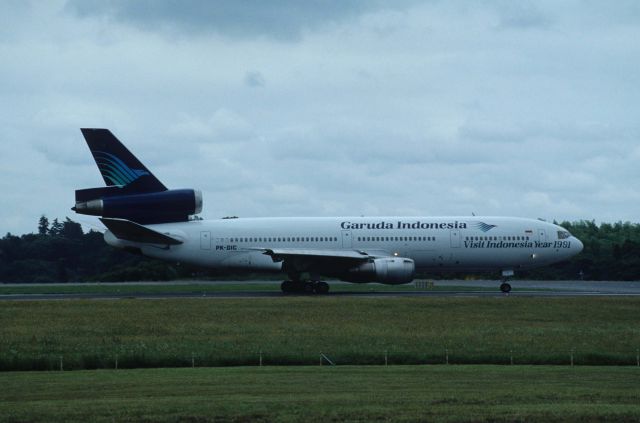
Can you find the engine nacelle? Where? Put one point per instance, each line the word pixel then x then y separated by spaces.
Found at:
pixel 388 270
pixel 156 207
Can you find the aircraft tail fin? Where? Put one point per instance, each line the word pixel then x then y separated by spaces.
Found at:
pixel 118 166
pixel 132 192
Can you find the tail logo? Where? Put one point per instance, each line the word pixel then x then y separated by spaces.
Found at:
pixel 115 170
pixel 484 227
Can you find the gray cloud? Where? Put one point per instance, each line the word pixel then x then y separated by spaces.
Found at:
pixel 523 15
pixel 432 108
pixel 254 79
pixel 283 20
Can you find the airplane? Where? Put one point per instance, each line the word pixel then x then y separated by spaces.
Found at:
pixel 143 216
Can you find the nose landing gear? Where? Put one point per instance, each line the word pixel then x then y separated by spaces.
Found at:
pixel 505 286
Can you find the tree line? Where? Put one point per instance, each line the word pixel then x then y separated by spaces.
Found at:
pixel 60 251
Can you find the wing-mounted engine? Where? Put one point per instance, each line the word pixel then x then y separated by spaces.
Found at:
pixel 174 205
pixel 387 270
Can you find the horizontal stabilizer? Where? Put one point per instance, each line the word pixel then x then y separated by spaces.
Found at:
pixel 131 231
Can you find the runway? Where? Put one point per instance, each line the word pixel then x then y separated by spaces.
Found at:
pixel 489 289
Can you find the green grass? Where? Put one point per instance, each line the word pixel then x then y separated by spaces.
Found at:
pixel 210 287
pixel 295 330
pixel 319 394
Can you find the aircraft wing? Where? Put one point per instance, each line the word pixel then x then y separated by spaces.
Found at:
pixel 319 260
pixel 283 253
pixel 131 231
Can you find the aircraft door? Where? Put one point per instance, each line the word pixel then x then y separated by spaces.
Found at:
pixel 346 239
pixel 542 235
pixel 455 238
pixel 205 240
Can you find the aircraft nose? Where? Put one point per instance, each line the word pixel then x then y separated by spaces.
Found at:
pixel 577 246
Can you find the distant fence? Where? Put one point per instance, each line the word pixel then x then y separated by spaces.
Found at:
pixel 14 361
pixel 424 284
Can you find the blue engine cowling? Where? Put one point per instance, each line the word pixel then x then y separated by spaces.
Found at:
pixel 156 207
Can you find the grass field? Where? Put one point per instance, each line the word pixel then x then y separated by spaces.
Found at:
pixel 318 394
pixel 86 334
pixel 203 288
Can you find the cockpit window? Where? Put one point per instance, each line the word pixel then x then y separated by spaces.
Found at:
pixel 563 235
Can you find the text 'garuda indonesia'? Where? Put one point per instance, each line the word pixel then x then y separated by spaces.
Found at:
pixel 403 225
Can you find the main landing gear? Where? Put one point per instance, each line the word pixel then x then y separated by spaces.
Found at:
pixel 505 287
pixel 308 287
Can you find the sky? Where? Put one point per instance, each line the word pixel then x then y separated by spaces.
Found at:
pixel 328 108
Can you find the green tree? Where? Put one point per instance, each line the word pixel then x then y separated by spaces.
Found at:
pixel 56 228
pixel 43 225
pixel 71 229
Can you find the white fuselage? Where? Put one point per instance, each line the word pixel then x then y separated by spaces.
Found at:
pixel 452 243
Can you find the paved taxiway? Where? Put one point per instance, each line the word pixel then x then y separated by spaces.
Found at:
pixel 520 289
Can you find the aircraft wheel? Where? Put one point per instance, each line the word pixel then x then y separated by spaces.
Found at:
pixel 287 286
pixel 505 287
pixel 322 288
pixel 308 288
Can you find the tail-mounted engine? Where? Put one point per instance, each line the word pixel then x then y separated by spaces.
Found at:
pixel 174 205
pixel 132 191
